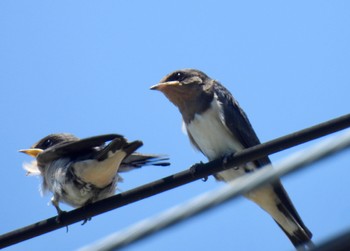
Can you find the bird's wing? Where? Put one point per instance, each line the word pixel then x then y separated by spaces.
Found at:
pixel 79 147
pixel 235 119
pixel 118 144
pixel 100 168
pixel 237 122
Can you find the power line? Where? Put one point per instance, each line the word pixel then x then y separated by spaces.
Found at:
pixel 196 172
pixel 211 199
pixel 341 242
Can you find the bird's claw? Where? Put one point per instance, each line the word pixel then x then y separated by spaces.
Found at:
pixel 226 159
pixel 193 169
pixel 85 221
pixel 60 214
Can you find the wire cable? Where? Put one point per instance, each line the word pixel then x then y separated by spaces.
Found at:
pixel 196 172
pixel 340 242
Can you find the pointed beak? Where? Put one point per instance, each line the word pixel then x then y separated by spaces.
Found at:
pixel 34 152
pixel 164 85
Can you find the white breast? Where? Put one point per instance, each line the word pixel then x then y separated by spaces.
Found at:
pixel 210 133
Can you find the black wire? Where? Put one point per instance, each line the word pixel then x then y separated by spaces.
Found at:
pixel 196 172
pixel 341 242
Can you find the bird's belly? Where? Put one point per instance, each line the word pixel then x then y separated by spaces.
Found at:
pixel 211 136
pixel 78 195
pixel 75 196
pixel 215 140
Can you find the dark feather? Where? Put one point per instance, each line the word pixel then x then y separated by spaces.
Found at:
pixel 118 144
pixel 237 122
pixel 137 160
pixel 77 147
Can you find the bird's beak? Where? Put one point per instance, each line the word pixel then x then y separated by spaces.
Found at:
pixel 34 152
pixel 164 85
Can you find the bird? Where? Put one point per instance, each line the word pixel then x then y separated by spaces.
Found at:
pixel 217 126
pixel 82 171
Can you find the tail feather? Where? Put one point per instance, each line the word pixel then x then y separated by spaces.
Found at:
pixel 274 200
pixel 287 203
pixel 299 238
pixel 137 160
pixel 303 234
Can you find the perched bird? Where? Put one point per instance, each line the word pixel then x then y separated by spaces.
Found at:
pixel 217 126
pixel 82 171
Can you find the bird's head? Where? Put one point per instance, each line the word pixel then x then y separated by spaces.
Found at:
pixel 47 142
pixel 188 89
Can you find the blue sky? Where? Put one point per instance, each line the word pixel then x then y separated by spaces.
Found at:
pixel 85 67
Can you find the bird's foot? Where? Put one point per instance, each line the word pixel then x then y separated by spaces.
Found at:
pixel 193 170
pixel 59 216
pixel 226 159
pixel 60 213
pixel 85 221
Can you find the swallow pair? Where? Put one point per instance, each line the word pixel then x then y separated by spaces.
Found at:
pixel 79 172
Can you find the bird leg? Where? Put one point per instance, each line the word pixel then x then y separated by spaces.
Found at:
pixel 89 218
pixel 55 203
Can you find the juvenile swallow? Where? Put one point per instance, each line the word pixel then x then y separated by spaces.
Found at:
pixel 217 126
pixel 82 171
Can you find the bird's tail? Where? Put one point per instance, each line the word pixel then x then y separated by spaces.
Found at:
pixel 275 200
pixel 137 160
pixel 299 239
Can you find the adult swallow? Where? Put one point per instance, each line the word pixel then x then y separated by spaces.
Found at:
pixel 217 126
pixel 82 171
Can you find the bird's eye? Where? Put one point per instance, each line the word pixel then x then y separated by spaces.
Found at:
pixel 177 76
pixel 47 143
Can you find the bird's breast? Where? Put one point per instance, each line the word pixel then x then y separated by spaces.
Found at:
pixel 210 133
